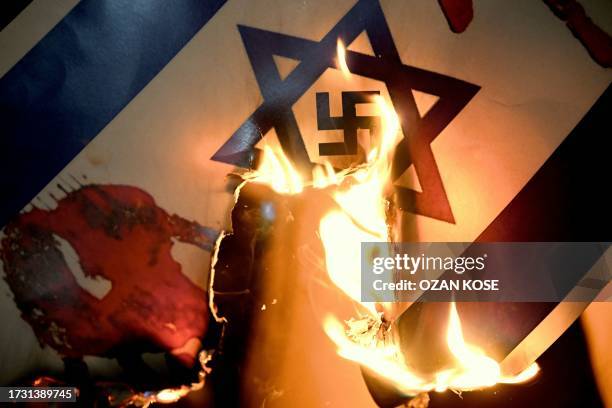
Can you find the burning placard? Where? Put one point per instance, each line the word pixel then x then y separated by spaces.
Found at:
pixel 353 122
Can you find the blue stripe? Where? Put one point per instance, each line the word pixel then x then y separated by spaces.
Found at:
pixel 77 78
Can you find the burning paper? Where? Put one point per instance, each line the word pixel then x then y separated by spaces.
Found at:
pixel 361 211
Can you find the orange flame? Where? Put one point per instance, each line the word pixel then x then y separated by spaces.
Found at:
pixel 360 194
pixel 473 369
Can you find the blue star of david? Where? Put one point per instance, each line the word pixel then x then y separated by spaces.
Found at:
pixel 279 95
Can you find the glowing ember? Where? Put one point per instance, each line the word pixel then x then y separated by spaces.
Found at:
pixel 361 216
pixel 170 395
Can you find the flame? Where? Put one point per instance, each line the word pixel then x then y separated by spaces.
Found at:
pixel 277 171
pixel 473 369
pixel 362 211
pixel 171 395
pixel 359 193
pixel 341 51
pixel 361 216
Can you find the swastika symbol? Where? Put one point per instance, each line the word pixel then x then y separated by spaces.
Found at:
pixel 349 122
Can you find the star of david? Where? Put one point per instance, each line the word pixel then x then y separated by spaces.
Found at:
pixel 279 95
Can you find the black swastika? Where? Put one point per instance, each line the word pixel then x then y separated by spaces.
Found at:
pixel 349 122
